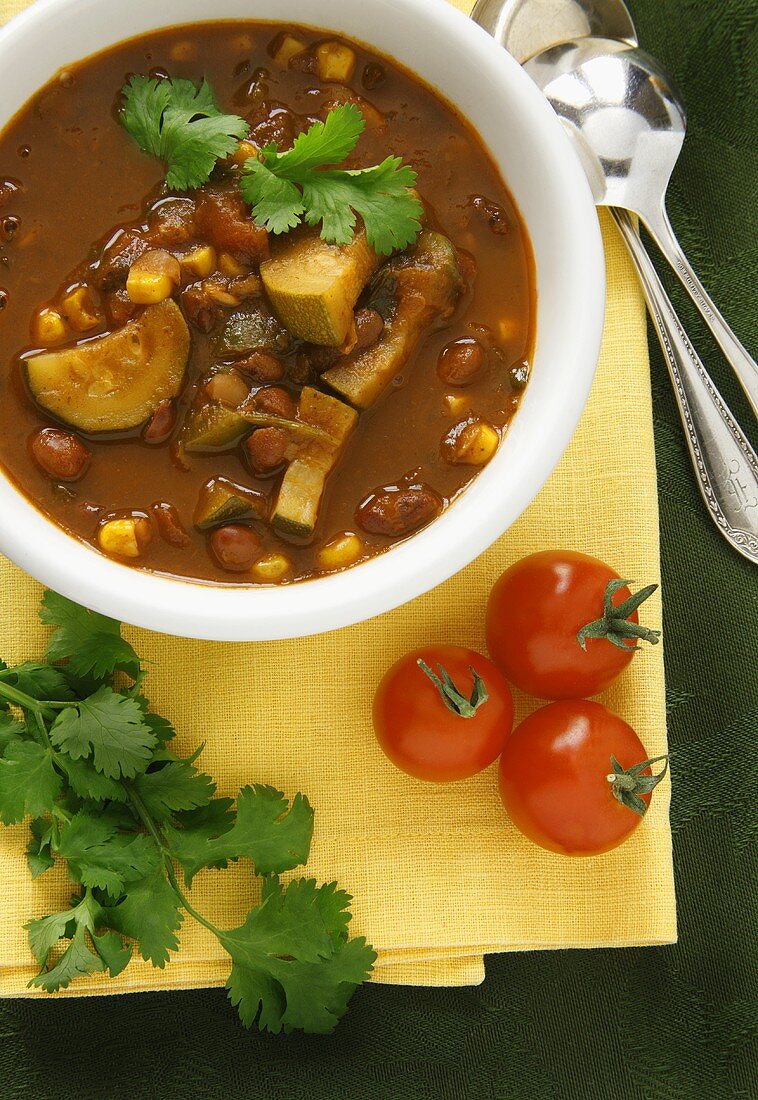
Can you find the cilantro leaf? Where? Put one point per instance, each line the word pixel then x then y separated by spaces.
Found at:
pixel 111 727
pixel 29 784
pixel 10 730
pixel 176 786
pixel 275 837
pixel 282 188
pixel 41 681
pixel 292 961
pixel 181 124
pixel 380 195
pixel 99 857
pixel 302 920
pixel 90 642
pixel 38 854
pixel 86 781
pixel 291 994
pixel 149 913
pixel 323 143
pixel 75 962
pixel 113 951
pixel 277 203
pixel 77 959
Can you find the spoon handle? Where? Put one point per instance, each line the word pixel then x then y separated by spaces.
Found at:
pixel 725 464
pixel 736 355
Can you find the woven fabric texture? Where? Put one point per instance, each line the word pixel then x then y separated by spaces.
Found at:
pixel 268 718
pixel 671 1022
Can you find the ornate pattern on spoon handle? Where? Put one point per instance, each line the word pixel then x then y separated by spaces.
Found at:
pixel 725 463
pixel 736 355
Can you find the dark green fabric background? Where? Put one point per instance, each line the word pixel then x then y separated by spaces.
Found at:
pixel 672 1022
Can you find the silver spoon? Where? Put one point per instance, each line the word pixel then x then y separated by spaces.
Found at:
pixel 527 27
pixel 628 115
pixel 725 465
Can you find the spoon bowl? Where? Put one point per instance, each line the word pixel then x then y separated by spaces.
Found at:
pixel 623 108
pixel 628 122
pixel 527 27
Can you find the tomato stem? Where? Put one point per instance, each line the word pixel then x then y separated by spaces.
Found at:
pixel 615 625
pixel 453 699
pixel 627 784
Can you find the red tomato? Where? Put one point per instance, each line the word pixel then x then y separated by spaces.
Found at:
pixel 422 735
pixel 535 612
pixel 554 778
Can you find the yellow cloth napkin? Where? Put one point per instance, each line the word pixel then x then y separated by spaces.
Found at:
pixel 438 874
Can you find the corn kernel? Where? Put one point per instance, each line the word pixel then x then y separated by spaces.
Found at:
pixel 183 51
pixel 335 62
pixel 231 267
pixel 153 277
pixel 271 567
pixel 473 444
pixel 80 310
pixel 244 151
pixel 455 404
pixel 508 328
pixel 125 538
pixel 340 551
pixel 288 48
pixel 48 327
pixel 146 288
pixel 201 262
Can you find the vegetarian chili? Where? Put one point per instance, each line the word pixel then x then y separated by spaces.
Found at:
pixel 197 391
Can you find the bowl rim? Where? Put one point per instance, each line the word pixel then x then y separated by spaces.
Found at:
pixel 465 529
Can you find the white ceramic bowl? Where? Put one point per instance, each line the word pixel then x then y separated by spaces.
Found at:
pixel 455 56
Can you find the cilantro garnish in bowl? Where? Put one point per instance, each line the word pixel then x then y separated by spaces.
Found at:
pixel 182 124
pixel 93 766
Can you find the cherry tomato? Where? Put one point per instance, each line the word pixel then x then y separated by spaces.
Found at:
pixel 536 612
pixel 554 778
pixel 417 720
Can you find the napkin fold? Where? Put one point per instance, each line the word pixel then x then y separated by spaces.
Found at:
pixel 439 875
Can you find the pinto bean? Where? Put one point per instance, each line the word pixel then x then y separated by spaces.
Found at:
pixel 262 366
pixel 494 214
pixel 368 326
pixel 60 454
pixel 169 525
pixel 120 307
pixel 274 400
pixel 266 449
pixel 161 424
pixel 172 222
pixel 396 512
pixel 235 547
pixel 199 308
pixel 460 361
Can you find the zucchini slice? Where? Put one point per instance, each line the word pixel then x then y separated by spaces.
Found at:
pixel 224 501
pixel 427 284
pixel 313 286
pixel 311 460
pixel 212 427
pixel 115 382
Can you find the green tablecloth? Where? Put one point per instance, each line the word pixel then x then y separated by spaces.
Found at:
pixel 671 1022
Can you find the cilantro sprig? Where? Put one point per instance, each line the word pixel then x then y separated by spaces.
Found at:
pixel 301 184
pixel 92 765
pixel 181 124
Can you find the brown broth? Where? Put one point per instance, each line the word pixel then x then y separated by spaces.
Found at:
pixel 80 175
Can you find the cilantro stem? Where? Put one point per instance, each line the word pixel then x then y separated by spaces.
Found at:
pixel 20 698
pixel 144 816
